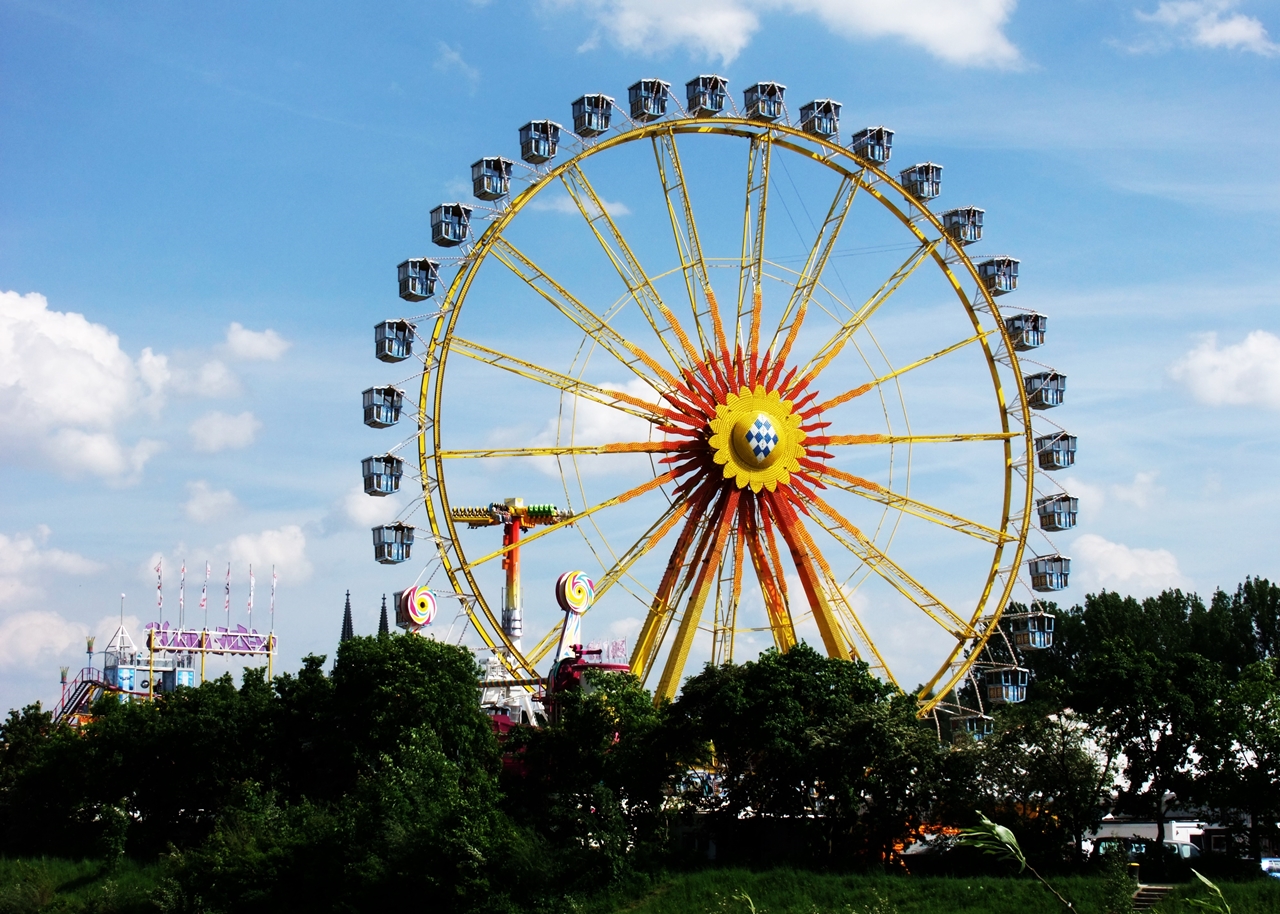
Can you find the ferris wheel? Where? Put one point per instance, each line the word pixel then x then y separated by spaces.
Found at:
pixel 747 378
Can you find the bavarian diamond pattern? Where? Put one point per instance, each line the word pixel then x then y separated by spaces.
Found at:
pixel 762 438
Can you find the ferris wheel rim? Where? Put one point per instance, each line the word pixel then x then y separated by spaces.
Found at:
pixel 849 165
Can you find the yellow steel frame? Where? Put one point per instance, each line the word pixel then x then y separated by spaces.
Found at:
pixel 696 568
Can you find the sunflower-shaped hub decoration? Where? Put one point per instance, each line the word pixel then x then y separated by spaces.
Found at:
pixel 757 439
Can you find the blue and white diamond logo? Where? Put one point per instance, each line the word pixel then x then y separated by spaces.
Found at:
pixel 762 438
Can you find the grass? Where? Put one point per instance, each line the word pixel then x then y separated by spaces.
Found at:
pixel 788 891
pixel 73 886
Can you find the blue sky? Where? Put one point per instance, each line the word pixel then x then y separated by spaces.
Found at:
pixel 201 210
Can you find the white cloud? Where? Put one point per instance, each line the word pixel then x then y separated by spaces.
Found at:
pixel 1141 492
pixel 965 32
pixel 212 379
pixel 1245 374
pixel 1211 24
pixel 285 548
pixel 31 639
pixel 563 203
pixel 24 562
pixel 207 503
pixel 1097 563
pixel 370 510
pixel 217 431
pixel 254 344
pixel 65 386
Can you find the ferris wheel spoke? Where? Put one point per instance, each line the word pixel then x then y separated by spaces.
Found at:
pixel 838 440
pixel 583 317
pixel 772 583
pixel 803 558
pixel 688 245
pixel 811 275
pixel 896 373
pixel 637 281
pixel 615 399
pixel 860 642
pixel 647 541
pixel 718 526
pixel 832 347
pixel 574 518
pixel 870 555
pixel 751 272
pixel 569 450
pixel 654 628
pixel 873 491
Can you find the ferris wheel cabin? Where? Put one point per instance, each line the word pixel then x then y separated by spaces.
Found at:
pixel 392 543
pixel 923 181
pixel 963 225
pixel 393 340
pixel 1031 631
pixel 1045 389
pixel 491 178
pixel 592 114
pixel 875 144
pixel 1049 572
pixel 539 141
pixel 417 277
pixel 976 725
pixel 449 224
pixel 821 117
pixel 1057 512
pixel 648 99
pixel 382 474
pixel 1026 330
pixel 382 406
pixel 999 274
pixel 706 95
pixel 1056 451
pixel 1007 686
pixel 764 101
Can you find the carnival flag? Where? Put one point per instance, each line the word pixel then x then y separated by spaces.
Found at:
pixel 182 592
pixel 250 598
pixel 226 602
pixel 204 596
pixel 273 597
pixel 160 590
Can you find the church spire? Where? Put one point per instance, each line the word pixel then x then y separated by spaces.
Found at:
pixel 347 631
pixel 383 628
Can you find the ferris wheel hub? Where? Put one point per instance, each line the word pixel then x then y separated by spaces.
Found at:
pixel 757 438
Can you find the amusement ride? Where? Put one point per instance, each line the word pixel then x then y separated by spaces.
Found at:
pixel 721 399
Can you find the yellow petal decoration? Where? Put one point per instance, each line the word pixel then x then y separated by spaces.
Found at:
pixel 757 439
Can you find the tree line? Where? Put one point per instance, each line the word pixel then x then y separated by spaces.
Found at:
pixel 382 781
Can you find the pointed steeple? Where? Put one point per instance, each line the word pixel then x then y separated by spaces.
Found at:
pixel 348 632
pixel 383 628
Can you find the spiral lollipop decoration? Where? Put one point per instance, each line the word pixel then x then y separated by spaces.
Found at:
pixel 421 606
pixel 575 592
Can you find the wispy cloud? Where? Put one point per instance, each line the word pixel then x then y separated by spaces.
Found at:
pixel 449 61
pixel 1208 24
pixel 967 34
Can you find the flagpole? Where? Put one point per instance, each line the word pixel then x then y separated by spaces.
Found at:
pixel 250 596
pixel 182 594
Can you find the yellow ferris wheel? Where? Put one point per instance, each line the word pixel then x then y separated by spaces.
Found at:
pixel 698 329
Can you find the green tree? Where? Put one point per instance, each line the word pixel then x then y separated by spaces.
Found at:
pixel 1140 677
pixel 594 781
pixel 1045 775
pixel 806 738
pixel 1240 756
